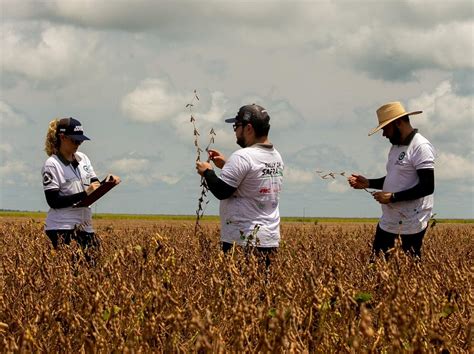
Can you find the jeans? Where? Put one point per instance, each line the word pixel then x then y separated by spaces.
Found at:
pixel 263 253
pixel 411 243
pixel 84 239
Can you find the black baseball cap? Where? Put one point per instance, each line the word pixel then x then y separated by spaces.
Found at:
pixel 72 128
pixel 251 113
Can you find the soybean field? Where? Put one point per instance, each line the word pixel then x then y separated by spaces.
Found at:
pixel 157 287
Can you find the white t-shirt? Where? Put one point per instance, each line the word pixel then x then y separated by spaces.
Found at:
pixel 411 216
pixel 68 180
pixel 251 214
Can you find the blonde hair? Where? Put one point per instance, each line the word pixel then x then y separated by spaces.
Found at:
pixel 51 143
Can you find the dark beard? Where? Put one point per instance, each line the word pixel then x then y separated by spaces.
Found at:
pixel 396 138
pixel 241 142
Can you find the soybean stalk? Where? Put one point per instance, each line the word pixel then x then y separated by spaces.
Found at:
pixel 333 175
pixel 203 200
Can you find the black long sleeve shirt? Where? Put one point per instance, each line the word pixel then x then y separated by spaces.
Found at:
pixel 424 187
pixel 218 187
pixel 57 201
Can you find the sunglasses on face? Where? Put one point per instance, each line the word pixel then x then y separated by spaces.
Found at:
pixel 235 126
pixel 75 142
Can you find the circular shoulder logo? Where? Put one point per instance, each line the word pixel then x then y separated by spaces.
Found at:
pixel 401 156
pixel 86 168
pixel 47 178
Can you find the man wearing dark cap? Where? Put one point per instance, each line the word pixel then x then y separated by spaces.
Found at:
pixel 407 190
pixel 249 184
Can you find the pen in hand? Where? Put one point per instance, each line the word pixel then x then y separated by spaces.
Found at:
pixel 92 187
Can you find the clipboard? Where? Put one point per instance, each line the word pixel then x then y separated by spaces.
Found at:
pixel 95 195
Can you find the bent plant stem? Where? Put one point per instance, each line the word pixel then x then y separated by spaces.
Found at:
pixel 204 188
pixel 252 237
pixel 202 201
pixel 333 175
pixel 431 224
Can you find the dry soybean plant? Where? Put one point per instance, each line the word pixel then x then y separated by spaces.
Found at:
pixel 153 291
pixel 203 200
pixel 333 175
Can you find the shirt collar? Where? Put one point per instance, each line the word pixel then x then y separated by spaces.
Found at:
pixel 66 162
pixel 266 146
pixel 409 138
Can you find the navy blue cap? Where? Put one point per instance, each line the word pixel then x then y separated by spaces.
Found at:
pixel 72 128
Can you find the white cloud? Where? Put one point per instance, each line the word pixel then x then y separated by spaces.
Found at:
pixel 390 40
pixel 129 165
pixel 167 16
pixel 169 179
pixel 15 172
pixel 443 109
pixel 13 167
pixel 47 53
pixel 5 148
pixel 447 118
pixel 283 114
pixel 453 167
pixel 418 13
pixel 338 186
pixel 153 100
pixel 26 9
pixel 156 100
pixel 440 47
pixel 296 175
pixel 9 117
pixel 217 109
pixel 396 52
pixel 146 179
pixel 141 171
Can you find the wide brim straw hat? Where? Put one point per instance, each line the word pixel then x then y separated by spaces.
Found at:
pixel 390 112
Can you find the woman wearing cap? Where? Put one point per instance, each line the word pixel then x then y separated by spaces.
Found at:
pixel 68 177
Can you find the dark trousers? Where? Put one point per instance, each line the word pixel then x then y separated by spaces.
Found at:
pixel 384 241
pixel 264 254
pixel 84 239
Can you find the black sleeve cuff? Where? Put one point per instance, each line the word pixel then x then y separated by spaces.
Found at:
pixel 393 198
pixel 424 187
pixel 218 187
pixel 57 201
pixel 376 183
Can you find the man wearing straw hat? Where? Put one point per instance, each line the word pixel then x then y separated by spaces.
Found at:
pixel 406 194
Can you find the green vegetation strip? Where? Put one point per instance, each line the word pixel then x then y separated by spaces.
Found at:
pixel 40 214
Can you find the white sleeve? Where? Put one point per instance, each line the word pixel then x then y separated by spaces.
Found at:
pixel 424 157
pixel 91 169
pixel 235 170
pixel 87 166
pixel 51 177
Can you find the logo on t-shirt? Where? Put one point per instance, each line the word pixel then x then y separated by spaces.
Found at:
pixel 401 156
pixel 272 169
pixel 47 178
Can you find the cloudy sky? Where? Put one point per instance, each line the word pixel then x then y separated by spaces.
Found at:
pixel 127 69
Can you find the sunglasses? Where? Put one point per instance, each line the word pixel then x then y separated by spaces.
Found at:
pixel 75 142
pixel 235 126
